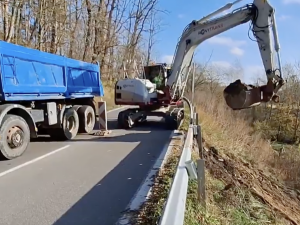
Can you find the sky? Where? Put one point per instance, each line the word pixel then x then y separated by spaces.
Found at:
pixel 225 48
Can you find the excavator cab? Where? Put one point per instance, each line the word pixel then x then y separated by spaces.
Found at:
pixel 157 74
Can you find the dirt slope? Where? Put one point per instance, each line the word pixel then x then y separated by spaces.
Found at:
pixel 235 173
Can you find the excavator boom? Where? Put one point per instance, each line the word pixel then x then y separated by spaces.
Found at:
pixel 237 95
pixel 160 93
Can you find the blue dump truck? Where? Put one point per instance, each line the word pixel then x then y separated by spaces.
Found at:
pixel 43 93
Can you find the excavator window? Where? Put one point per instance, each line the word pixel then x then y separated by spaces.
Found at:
pixel 156 75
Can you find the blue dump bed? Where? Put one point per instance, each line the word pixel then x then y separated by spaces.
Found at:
pixel 29 74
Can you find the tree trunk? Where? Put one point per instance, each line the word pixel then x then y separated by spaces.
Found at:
pixel 89 33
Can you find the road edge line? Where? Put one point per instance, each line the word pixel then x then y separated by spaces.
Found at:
pixel 32 161
pixel 144 191
pixel 115 109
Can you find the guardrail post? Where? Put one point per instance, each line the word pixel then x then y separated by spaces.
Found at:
pixel 191 169
pixel 195 116
pixel 201 182
pixel 201 169
pixel 199 141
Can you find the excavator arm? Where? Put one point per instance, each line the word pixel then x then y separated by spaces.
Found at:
pixel 237 95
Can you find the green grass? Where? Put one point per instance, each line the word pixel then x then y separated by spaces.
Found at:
pixel 109 96
pixel 194 213
pixel 235 207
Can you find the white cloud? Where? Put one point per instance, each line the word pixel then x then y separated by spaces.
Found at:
pixel 234 45
pixel 180 16
pixel 284 17
pixel 249 74
pixel 255 69
pixel 227 41
pixel 167 59
pixel 222 64
pixel 291 1
pixel 253 73
pixel 237 51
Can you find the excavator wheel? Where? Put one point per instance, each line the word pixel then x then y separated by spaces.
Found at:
pixel 143 119
pixel 173 120
pixel 124 120
pixel 120 120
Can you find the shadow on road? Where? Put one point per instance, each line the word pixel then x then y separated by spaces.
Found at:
pixel 105 202
pixel 112 126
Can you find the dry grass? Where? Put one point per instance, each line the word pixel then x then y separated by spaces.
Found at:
pixel 109 95
pixel 244 153
pixel 226 205
pixel 230 132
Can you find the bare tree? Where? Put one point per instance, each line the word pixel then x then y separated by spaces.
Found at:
pixel 154 27
pixel 109 31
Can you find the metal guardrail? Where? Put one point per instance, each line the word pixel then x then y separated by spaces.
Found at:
pixel 174 210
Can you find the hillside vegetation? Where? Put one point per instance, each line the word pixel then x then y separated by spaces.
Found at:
pixel 252 158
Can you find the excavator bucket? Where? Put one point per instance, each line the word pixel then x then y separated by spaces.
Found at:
pixel 241 96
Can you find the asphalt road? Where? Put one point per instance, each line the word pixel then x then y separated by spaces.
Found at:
pixel 89 182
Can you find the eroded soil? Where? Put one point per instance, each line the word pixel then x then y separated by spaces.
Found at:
pixel 235 173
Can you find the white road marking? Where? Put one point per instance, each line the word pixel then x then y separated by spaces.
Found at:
pixel 32 161
pixel 112 110
pixel 46 155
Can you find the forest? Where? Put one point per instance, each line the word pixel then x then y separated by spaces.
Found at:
pixel 113 32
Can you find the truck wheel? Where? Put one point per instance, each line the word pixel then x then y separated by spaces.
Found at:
pixel 15 135
pixel 70 126
pixel 87 119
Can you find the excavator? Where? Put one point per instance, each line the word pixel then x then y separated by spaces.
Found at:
pixel 165 99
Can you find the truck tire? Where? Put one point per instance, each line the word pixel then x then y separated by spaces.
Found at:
pixel 87 119
pixel 15 135
pixel 70 126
